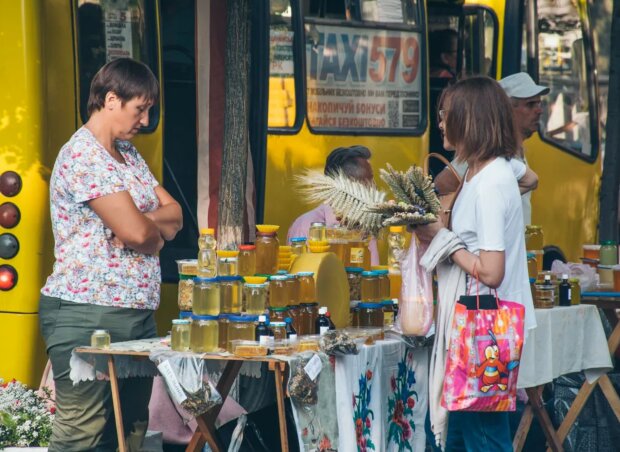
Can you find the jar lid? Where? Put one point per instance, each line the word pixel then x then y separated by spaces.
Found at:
pixel 532 280
pixel 278 278
pixel 297 239
pixel 370 305
pixel 387 302
pixel 533 227
pixel 229 278
pixel 204 279
pixel 280 309
pixel 186 276
pixel 573 280
pixel 305 273
pixel 256 286
pixel 397 228
pixel 207 231
pixel 354 269
pixel 247 247
pixel 281 272
pixel 608 242
pixel 308 305
pixel 531 255
pixel 227 253
pixel 180 321
pixel 204 317
pixel 317 224
pixel 370 274
pixel 265 234
pixel 243 318
pixel 279 323
pixel 381 272
pixel 185 314
pixel 293 306
pixel 226 315
pixel 101 332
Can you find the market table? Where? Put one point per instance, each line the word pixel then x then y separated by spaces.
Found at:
pixel 567 339
pixel 134 361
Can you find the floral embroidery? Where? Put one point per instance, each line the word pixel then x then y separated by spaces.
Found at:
pixel 362 415
pixel 401 403
pixel 89 268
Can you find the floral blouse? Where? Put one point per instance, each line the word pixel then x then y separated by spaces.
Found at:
pixel 89 268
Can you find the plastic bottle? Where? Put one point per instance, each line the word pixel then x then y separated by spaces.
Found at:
pixel 207 257
pixel 565 292
pixel 322 322
pixel 262 331
pixel 291 334
pixel 396 248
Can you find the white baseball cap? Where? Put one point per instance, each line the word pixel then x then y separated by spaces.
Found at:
pixel 521 86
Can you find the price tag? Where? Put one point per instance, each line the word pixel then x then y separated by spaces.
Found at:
pixel 314 366
pixel 171 380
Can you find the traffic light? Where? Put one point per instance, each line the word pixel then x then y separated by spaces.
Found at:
pixel 10 186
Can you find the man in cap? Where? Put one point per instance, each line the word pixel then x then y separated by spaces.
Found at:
pixel 525 96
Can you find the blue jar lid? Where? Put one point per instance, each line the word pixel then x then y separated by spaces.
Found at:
pixel 297 239
pixel 243 318
pixel 369 274
pixel 381 272
pixel 204 317
pixel 532 280
pixel 185 314
pixel 354 269
pixel 202 279
pixel 531 255
pixel 256 286
pixel 387 302
pixel 229 278
pixel 281 272
pixel 278 277
pixel 370 305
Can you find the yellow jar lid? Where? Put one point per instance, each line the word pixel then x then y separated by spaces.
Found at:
pixel 268 228
pixel 397 228
pixel 207 231
pixel 255 279
pixel 227 253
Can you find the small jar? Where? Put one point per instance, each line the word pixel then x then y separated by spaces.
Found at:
pixel 278 291
pixel 240 327
pixel 293 288
pixel 294 312
pixel 278 314
pixel 267 247
pixel 545 294
pixel 370 287
pixel 100 339
pixel 204 335
pixel 206 296
pixel 575 291
pixel 247 260
pixel 298 246
pixel 179 335
pixel 185 292
pixel 227 262
pixel 317 232
pixel 354 278
pixel 307 290
pixel 370 315
pixel 534 237
pixel 384 282
pixel 230 293
pixel 308 313
pixel 255 296
pixel 279 330
pixel 222 321
pixel 388 312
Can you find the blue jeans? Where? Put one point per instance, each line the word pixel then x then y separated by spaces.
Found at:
pixel 475 431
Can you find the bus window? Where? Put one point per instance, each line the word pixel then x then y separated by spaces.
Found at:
pixel 480 42
pixel 327 9
pixel 108 29
pixel 566 117
pixel 282 102
pixel 365 78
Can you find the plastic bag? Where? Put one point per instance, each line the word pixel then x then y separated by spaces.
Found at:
pixel 588 277
pixel 187 382
pixel 415 307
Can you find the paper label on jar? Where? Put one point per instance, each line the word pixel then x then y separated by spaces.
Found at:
pixel 165 369
pixel 323 330
pixel 357 255
pixel 314 366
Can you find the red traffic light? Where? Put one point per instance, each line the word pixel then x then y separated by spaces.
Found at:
pixel 8 277
pixel 9 215
pixel 10 183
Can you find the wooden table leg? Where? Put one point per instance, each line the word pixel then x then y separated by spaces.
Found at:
pixel 543 418
pixel 524 425
pixel 116 403
pixel 206 431
pixel 574 410
pixel 610 394
pixel 278 369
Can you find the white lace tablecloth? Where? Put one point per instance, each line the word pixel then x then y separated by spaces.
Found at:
pixel 88 366
pixel 566 340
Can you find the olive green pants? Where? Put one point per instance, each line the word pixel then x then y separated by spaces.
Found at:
pixel 84 419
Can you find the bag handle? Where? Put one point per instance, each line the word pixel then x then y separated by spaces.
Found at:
pixel 474 273
pixel 442 159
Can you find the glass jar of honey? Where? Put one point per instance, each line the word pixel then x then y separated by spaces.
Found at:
pixel 293 289
pixel 240 327
pixel 222 321
pixel 230 293
pixel 298 246
pixel 100 339
pixel 278 291
pixel 384 282
pixel 388 312
pixel 204 335
pixel 354 278
pixel 370 287
pixel 278 314
pixel 294 312
pixel 255 296
pixel 370 315
pixel 337 239
pixel 279 330
pixel 308 313
pixel 358 254
pixel 307 292
pixel 267 249
pixel 227 262
pixel 575 291
pixel 179 335
pixel 247 260
pixel 317 232
pixel 534 238
pixel 206 296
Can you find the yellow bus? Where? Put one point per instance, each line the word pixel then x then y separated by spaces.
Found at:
pixel 324 73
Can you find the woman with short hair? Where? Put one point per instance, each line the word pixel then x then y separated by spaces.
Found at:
pixel 110 218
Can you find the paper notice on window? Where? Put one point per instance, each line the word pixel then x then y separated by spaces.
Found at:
pixel 176 391
pixel 118 34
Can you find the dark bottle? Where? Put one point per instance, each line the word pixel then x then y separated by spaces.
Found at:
pixel 332 326
pixel 322 322
pixel 262 332
pixel 564 289
pixel 395 307
pixel 291 334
